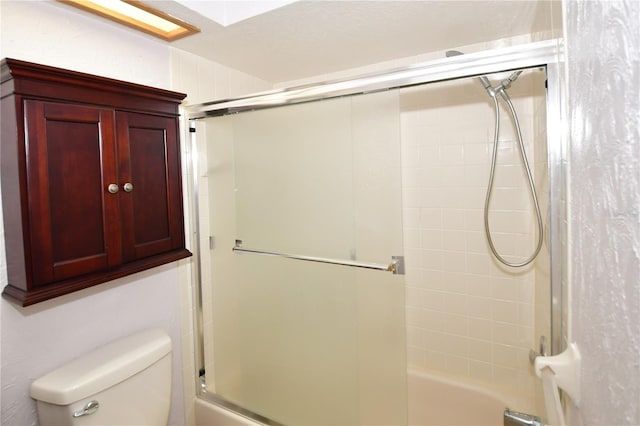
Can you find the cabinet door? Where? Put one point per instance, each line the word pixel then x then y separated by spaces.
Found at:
pixel 71 162
pixel 151 203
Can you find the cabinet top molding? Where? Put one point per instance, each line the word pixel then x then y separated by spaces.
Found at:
pixel 31 79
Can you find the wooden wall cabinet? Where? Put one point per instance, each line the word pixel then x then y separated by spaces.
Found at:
pixel 91 179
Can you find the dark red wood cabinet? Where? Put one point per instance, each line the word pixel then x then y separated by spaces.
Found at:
pixel 91 179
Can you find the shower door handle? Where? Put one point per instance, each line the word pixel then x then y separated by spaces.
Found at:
pixel 396 266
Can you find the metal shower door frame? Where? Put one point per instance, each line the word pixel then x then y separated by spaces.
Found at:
pixel 548 54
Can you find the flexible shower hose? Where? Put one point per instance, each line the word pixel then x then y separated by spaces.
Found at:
pixel 532 188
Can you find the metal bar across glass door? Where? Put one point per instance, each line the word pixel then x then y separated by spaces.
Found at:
pixel 396 266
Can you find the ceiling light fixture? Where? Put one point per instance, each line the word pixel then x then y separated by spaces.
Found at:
pixel 139 16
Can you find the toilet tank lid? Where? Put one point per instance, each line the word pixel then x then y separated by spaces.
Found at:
pixel 102 368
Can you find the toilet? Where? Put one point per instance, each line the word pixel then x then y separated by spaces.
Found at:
pixel 126 382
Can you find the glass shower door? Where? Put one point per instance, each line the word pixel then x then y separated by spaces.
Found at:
pixel 307 341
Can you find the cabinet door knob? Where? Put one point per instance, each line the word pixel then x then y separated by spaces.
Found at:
pixel 113 188
pixel 128 187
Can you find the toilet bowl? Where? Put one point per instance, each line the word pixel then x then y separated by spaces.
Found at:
pixel 126 382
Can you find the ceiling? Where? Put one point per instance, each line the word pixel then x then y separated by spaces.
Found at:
pixel 309 38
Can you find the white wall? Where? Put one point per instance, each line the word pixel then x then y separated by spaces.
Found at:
pixel 603 58
pixel 40 338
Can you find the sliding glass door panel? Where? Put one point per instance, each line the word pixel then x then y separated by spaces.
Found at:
pixel 295 341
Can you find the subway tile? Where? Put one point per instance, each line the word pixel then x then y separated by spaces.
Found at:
pixel 455 324
pixel 523 364
pixel 430 177
pixel 411 177
pixel 412 238
pixel 477 154
pixel 410 217
pixel 477 175
pixel 431 197
pixel 429 155
pixel 454 240
pixel 457 365
pixel 511 176
pixel 451 155
pixel 433 279
pixel 503 377
pixel 478 285
pixel 456 282
pixel 504 311
pixel 430 218
pixel 507 198
pixel 414 276
pixel 431 239
pixel 450 344
pixel 480 350
pixel 414 296
pixel 474 198
pixel 413 258
pixel 452 176
pixel 453 261
pixel 479 307
pixel 453 198
pixel 504 245
pixel 433 321
pixel 476 242
pixel 453 219
pixel 505 356
pixel 481 371
pixel 525 314
pixel 433 300
pixel 511 221
pixel 432 259
pixel 412 198
pixel 411 156
pixel 513 335
pixel 416 357
pixel 478 263
pixel 456 303
pixel 435 360
pixel 415 337
pixel 474 219
pixel 524 245
pixel 415 133
pixel 415 316
pixel 504 288
pixel 480 329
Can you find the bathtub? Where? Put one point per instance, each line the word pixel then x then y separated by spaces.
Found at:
pixel 432 400
pixel 437 400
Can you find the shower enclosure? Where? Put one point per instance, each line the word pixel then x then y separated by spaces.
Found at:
pixel 341 241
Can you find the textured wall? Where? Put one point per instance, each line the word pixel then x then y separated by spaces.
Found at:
pixel 603 57
pixel 40 338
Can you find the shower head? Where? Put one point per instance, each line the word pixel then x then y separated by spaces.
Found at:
pixel 483 79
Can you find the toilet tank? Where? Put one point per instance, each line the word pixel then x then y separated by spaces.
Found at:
pixel 127 382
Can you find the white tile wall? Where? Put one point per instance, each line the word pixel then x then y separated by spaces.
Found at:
pixel 467 315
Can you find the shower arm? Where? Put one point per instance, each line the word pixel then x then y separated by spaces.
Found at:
pixel 502 87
